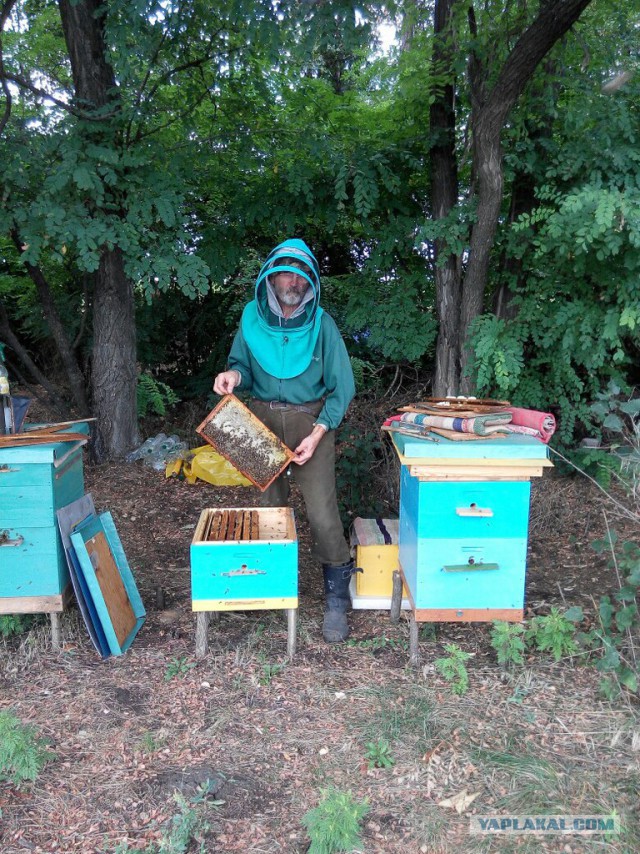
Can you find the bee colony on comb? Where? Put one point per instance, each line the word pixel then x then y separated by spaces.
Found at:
pixel 235 432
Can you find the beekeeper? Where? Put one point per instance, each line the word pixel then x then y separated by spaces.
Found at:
pixel 289 355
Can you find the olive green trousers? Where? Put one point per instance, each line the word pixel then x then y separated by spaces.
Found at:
pixel 316 478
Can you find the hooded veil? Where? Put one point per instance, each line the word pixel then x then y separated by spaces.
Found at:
pixel 283 351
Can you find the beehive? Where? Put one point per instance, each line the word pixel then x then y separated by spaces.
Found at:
pixel 376 554
pixel 244 559
pixel 235 432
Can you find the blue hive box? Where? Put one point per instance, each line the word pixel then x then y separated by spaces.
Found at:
pixel 35 481
pixel 464 519
pixel 253 572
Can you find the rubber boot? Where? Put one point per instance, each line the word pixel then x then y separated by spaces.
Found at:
pixel 335 627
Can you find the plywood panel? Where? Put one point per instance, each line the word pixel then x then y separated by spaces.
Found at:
pixel 113 590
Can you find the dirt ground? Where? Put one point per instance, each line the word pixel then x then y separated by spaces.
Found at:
pixel 271 736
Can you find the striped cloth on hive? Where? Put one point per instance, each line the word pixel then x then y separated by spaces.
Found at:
pixel 481 425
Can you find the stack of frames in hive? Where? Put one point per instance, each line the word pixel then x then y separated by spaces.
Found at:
pixel 232 525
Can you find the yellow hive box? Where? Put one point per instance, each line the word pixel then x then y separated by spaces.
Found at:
pixel 377 559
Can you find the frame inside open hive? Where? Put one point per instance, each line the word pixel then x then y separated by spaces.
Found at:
pixel 265 524
pixel 235 432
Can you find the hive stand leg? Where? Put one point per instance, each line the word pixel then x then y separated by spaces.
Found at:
pixel 396 597
pixel 202 641
pixel 292 619
pixel 56 634
pixel 414 651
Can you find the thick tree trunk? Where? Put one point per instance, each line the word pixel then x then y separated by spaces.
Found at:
pixel 114 334
pixel 114 359
pixel 490 111
pixel 444 197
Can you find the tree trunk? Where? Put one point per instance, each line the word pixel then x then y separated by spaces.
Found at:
pixel 113 373
pixel 490 110
pixel 444 197
pixel 114 359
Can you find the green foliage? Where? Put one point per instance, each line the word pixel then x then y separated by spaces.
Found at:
pixel 619 618
pixel 577 261
pixel 154 396
pixel 378 754
pixel 334 825
pixel 393 317
pixel 507 640
pixel 187 827
pixel 22 753
pixel 151 742
pixel 553 633
pixel 357 458
pixel 378 642
pixel 14 624
pixel 452 667
pixel 177 667
pixel 269 671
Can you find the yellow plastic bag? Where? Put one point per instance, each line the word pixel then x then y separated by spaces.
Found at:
pixel 208 465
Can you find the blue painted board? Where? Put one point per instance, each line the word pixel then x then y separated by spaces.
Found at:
pixel 71 517
pixel 32 559
pixel 34 504
pixel 31 562
pixel 441 509
pixel 103 524
pixel 229 570
pixel 87 606
pixel 440 586
pixel 511 447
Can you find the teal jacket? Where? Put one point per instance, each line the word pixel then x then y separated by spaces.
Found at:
pixel 299 359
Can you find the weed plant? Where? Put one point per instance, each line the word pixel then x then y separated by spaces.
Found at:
pixel 553 633
pixel 187 827
pixel 14 624
pixel 378 754
pixel 22 753
pixel 452 667
pixel 177 667
pixel 507 640
pixel 334 825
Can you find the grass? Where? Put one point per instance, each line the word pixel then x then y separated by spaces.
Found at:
pixel 398 714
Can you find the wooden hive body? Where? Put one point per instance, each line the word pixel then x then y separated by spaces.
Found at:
pixel 464 518
pixel 35 481
pixel 246 574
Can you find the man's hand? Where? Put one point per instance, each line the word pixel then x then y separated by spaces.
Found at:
pixel 306 448
pixel 225 382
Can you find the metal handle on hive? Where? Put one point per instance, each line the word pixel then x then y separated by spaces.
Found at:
pixel 485 512
pixel 5 541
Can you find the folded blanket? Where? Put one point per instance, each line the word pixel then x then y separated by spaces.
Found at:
pixel 481 425
pixel 543 424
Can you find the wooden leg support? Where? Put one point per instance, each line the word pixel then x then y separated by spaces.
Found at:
pixel 202 640
pixel 396 597
pixel 56 633
pixel 414 651
pixel 292 619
